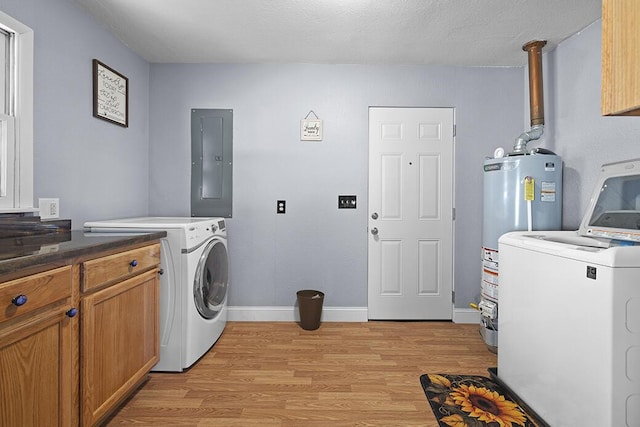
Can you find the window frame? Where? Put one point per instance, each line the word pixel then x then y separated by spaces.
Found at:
pixel 19 192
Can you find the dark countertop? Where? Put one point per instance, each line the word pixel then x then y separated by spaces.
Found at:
pixel 21 253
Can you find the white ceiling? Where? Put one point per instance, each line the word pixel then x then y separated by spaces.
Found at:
pixel 433 32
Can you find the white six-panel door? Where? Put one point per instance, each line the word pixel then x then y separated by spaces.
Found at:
pixel 410 213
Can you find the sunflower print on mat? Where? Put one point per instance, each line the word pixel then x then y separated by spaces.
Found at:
pixel 472 401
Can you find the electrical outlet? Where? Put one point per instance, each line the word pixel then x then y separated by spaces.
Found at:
pixel 281 206
pixel 49 208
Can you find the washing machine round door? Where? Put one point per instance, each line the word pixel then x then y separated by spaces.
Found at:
pixel 212 278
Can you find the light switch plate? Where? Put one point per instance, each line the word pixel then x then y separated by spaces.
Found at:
pixel 346 202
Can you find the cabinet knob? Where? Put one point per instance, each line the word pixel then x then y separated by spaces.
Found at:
pixel 161 271
pixel 19 300
pixel 72 312
pixel 133 263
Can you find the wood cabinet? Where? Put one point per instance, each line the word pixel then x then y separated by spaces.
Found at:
pixel 119 331
pixel 37 385
pixel 62 369
pixel 620 57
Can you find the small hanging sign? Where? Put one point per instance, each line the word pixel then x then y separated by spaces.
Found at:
pixel 311 129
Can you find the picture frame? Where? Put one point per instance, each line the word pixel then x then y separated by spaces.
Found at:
pixel 110 94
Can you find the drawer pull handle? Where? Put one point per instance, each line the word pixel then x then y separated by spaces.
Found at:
pixel 133 263
pixel 72 312
pixel 19 300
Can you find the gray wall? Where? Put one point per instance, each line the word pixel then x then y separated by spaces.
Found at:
pixel 314 244
pixel 97 169
pixel 100 170
pixel 583 137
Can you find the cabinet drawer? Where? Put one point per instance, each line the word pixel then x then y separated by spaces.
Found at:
pixel 109 269
pixel 37 290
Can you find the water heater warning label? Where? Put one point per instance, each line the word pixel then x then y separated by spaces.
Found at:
pixel 548 192
pixel 489 286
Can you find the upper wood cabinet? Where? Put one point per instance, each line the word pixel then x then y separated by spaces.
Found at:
pixel 620 57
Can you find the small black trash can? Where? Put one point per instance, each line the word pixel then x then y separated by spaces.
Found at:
pixel 310 306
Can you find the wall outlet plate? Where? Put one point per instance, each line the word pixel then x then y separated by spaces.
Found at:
pixel 49 208
pixel 281 206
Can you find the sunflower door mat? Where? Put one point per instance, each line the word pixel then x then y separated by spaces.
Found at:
pixel 473 401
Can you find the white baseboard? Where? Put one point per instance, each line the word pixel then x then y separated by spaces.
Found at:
pixel 466 315
pixel 290 314
pixel 329 314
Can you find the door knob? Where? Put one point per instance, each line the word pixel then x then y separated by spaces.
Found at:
pixel 374 215
pixel 374 231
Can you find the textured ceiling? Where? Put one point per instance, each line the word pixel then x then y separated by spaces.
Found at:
pixel 434 32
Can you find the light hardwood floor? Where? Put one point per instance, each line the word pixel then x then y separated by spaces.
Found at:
pixel 343 374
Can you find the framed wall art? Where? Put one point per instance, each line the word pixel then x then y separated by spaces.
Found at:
pixel 110 94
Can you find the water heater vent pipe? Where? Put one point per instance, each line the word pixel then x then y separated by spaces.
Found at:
pixel 536 97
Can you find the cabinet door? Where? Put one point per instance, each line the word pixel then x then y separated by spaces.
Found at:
pixel 119 342
pixel 36 385
pixel 620 57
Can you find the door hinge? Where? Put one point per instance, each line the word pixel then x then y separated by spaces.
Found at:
pixel 453 296
pixel 453 214
pixel 454 130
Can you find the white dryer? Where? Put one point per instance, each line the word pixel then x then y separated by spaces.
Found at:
pixel 193 284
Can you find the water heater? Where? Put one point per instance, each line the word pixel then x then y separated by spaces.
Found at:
pixel 521 192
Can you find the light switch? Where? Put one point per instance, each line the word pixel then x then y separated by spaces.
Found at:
pixel 346 202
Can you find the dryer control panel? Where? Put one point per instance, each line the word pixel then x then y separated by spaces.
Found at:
pixel 199 232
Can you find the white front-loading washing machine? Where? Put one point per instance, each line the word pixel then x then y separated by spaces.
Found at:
pixel 193 284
